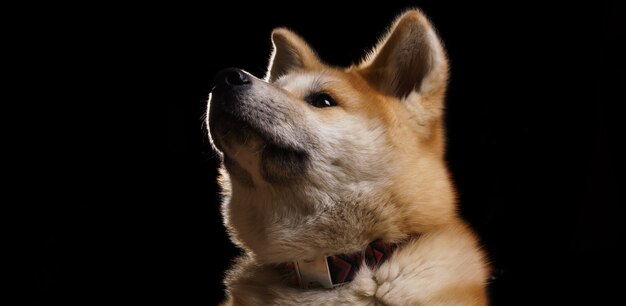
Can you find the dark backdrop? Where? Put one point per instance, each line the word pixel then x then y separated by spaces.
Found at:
pixel 534 125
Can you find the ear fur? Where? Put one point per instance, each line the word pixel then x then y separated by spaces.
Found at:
pixel 410 58
pixel 290 52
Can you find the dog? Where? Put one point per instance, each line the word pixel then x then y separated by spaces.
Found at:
pixel 334 180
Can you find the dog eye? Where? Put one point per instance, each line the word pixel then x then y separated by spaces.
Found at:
pixel 321 100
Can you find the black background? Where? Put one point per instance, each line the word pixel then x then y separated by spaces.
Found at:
pixel 534 121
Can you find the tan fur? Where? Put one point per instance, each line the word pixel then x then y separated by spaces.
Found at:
pixel 375 169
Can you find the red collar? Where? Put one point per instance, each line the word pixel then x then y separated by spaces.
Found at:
pixel 336 270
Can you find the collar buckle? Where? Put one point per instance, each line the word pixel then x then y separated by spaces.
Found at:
pixel 336 270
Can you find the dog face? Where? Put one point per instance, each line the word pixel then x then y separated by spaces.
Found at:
pixel 320 160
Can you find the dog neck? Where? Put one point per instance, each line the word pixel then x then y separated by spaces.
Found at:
pixel 336 270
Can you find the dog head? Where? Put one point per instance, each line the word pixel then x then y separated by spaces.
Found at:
pixel 320 160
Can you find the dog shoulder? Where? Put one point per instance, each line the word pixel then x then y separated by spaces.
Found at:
pixel 442 267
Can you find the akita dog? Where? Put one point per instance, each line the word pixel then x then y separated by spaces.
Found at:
pixel 334 179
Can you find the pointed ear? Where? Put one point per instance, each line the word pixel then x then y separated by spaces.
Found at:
pixel 410 58
pixel 290 53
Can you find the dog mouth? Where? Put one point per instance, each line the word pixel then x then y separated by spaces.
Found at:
pixel 228 128
pixel 234 128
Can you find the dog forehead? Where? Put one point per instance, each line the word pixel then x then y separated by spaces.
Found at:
pixel 305 82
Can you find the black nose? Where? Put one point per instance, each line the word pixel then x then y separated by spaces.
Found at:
pixel 231 77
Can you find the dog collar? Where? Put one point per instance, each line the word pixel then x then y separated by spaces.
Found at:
pixel 336 270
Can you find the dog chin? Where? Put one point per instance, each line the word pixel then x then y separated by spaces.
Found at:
pixel 230 132
pixel 250 151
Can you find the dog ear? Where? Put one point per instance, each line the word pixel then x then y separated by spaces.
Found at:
pixel 290 53
pixel 410 58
